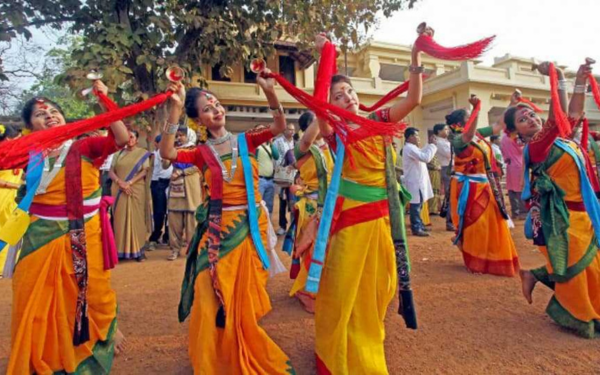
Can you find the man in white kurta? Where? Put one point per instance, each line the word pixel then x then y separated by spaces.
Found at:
pixel 416 177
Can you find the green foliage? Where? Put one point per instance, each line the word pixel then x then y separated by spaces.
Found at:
pixel 133 41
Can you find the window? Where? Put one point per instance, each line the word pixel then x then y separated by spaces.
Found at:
pixel 287 68
pixel 249 76
pixel 216 74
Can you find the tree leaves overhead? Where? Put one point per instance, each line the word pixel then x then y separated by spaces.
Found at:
pixel 133 41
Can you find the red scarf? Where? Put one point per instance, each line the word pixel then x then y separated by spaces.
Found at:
pixel 473 50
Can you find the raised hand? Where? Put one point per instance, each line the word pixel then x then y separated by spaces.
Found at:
pixel 267 84
pixel 178 97
pixel 100 87
pixel 474 100
pixel 320 41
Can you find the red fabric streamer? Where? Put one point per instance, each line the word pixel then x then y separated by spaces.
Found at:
pixel 387 98
pixel 531 104
pixel 338 118
pixel 110 105
pixel 562 122
pixel 327 68
pixel 585 134
pixel 473 50
pixel 15 153
pixel 595 90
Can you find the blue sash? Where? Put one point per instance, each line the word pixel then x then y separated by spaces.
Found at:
pixel 35 168
pixel 592 206
pixel 463 199
pixel 252 212
pixel 318 259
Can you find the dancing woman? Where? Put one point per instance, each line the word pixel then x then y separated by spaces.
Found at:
pixel 314 164
pixel 564 212
pixel 359 275
pixel 226 261
pixel 478 212
pixel 64 311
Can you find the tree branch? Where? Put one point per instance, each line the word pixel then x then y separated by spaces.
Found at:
pixel 39 22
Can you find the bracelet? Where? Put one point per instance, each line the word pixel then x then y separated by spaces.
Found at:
pixel 416 69
pixel 580 89
pixel 277 112
pixel 171 129
pixel 562 85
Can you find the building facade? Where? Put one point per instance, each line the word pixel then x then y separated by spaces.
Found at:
pixel 378 68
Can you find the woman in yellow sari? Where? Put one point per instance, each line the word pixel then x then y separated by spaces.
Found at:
pixel 483 234
pixel 10 180
pixel 314 163
pixel 564 218
pixel 359 275
pixel 131 212
pixel 224 288
pixel 64 309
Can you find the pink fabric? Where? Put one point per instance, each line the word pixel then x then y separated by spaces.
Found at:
pixel 512 153
pixel 109 248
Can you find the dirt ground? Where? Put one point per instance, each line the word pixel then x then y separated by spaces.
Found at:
pixel 468 324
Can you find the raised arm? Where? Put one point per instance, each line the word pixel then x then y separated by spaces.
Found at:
pixel 309 136
pixel 415 90
pixel 470 131
pixel 167 143
pixel 544 69
pixel 268 87
pixel 118 128
pixel 577 103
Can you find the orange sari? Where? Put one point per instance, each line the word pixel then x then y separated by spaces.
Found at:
pixel 486 242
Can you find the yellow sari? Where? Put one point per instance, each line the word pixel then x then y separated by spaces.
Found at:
pixel 7 204
pixel 486 243
pixel 131 214
pixel 45 292
pixel 241 346
pixel 359 275
pixel 306 222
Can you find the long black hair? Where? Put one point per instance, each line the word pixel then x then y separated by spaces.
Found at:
pixel 458 116
pixel 305 120
pixel 509 116
pixel 30 105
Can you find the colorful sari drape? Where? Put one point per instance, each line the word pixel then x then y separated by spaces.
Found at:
pixel 45 287
pixel 7 204
pixel 565 233
pixel 483 234
pixel 132 213
pixel 240 346
pixel 315 167
pixel 359 276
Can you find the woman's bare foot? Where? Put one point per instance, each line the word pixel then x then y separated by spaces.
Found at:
pixel 528 282
pixel 120 343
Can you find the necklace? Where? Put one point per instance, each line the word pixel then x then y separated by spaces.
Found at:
pixel 221 140
pixel 49 174
pixel 227 175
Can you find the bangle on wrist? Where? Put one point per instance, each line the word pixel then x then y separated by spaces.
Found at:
pixel 416 69
pixel 276 112
pixel 580 89
pixel 171 129
pixel 562 85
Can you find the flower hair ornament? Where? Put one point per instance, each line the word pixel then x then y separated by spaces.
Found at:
pixel 2 129
pixel 198 128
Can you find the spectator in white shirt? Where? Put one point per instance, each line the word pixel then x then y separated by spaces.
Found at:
pixel 416 177
pixel 285 146
pixel 444 156
pixel 158 187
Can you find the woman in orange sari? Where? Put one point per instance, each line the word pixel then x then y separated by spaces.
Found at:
pixel 564 218
pixel 359 275
pixel 314 163
pixel 64 312
pixel 224 287
pixel 478 211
